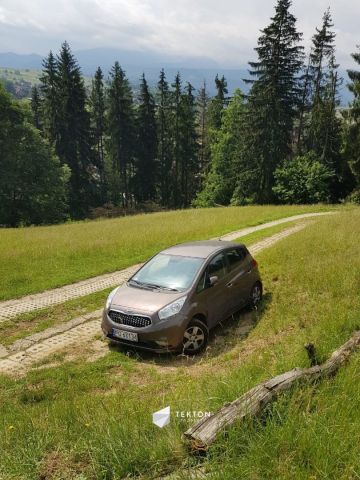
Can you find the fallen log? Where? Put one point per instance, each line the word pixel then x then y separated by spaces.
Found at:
pixel 203 433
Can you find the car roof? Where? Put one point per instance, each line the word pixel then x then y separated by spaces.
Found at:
pixel 202 249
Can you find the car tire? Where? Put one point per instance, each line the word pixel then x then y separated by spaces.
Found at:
pixel 196 337
pixel 256 294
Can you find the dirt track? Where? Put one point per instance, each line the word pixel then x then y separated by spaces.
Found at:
pixel 32 350
pixel 11 308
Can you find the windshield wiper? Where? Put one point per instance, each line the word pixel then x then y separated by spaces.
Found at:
pixel 160 287
pixel 139 284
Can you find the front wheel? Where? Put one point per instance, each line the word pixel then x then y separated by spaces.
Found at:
pixel 195 338
pixel 256 294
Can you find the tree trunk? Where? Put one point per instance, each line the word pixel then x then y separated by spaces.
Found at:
pixel 203 433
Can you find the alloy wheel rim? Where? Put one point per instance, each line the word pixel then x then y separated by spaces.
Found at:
pixel 193 338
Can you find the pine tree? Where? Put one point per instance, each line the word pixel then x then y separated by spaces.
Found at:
pixel 165 146
pixel 73 137
pixel 49 93
pixel 146 141
pixel 189 147
pixel 120 121
pixel 352 138
pixel 177 140
pixel 274 98
pixel 202 122
pixel 324 131
pixel 36 107
pixel 97 110
pixel 217 103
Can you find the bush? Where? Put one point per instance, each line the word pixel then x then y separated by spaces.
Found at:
pixel 303 179
pixel 354 197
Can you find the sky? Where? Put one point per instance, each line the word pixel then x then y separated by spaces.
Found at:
pixel 225 32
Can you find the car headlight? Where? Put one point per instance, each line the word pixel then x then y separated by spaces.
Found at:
pixel 171 309
pixel 110 297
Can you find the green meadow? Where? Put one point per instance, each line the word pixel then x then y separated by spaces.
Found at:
pixel 34 259
pixel 90 421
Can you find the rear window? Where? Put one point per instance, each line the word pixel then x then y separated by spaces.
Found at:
pixel 235 257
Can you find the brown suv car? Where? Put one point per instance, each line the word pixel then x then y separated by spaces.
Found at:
pixel 174 299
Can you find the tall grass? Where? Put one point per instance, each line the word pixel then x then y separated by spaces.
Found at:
pixel 37 258
pixel 94 420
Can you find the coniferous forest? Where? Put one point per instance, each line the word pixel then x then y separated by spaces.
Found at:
pixel 77 151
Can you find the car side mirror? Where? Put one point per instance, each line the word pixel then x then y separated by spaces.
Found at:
pixel 213 280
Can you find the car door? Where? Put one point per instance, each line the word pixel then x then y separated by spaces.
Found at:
pixel 215 298
pixel 238 286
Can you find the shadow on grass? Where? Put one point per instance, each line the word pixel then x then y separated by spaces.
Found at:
pixel 222 338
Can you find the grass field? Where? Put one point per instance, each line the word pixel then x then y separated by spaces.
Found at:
pixel 90 421
pixel 38 258
pixel 39 320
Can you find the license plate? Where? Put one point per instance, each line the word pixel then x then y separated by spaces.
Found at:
pixel 124 335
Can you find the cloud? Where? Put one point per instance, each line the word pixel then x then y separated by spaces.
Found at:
pixel 223 31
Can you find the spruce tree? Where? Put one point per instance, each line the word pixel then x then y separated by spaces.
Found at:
pixel 189 147
pixel 73 136
pixel 165 144
pixel 274 98
pixel 36 107
pixel 97 111
pixel 49 93
pixel 120 121
pixel 352 138
pixel 146 146
pixel 202 103
pixel 177 141
pixel 217 103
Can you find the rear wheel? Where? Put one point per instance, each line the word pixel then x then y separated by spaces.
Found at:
pixel 195 338
pixel 256 294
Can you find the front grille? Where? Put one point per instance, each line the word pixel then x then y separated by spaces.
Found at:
pixel 131 320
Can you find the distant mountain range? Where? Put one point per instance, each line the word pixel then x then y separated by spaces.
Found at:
pixel 193 70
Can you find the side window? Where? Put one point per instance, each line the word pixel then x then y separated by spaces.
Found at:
pixel 217 266
pixel 235 257
pixel 202 283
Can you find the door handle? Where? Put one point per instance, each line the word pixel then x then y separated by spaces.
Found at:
pixel 229 284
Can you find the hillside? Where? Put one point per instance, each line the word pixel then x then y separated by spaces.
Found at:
pixel 86 411
pixel 135 63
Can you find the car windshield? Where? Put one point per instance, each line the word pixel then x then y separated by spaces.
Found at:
pixel 169 272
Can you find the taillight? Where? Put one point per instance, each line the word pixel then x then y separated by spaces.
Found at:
pixel 254 263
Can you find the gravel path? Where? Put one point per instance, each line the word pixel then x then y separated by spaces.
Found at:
pixel 12 308
pixel 25 353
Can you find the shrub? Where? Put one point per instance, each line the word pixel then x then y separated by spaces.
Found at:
pixel 303 179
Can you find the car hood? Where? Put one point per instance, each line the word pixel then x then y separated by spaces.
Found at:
pixel 138 299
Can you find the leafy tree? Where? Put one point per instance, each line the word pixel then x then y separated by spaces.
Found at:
pixel 303 179
pixel 226 150
pixel 146 142
pixel 97 111
pixel 165 140
pixel 120 121
pixel 274 98
pixel 33 185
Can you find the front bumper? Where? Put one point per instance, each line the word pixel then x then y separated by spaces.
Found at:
pixel 159 336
